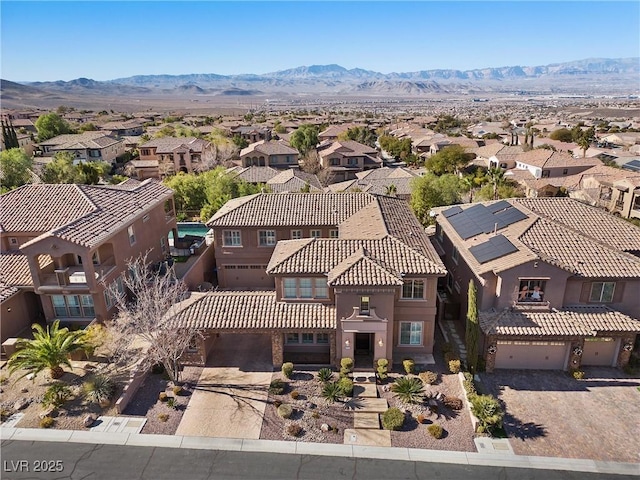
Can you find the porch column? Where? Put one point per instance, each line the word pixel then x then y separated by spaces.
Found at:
pixel 575 355
pixel 490 353
pixel 277 345
pixel 333 359
pixel 624 354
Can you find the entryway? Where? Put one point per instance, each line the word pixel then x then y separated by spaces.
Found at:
pixel 363 350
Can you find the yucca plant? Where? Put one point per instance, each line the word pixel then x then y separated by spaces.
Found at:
pixel 99 389
pixel 50 348
pixel 488 410
pixel 56 395
pixel 325 375
pixel 331 392
pixel 408 390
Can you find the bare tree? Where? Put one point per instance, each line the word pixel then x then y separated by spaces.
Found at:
pixel 145 328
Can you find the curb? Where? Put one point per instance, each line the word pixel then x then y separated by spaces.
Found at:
pixel 320 449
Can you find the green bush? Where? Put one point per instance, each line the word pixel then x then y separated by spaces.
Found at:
pixel 325 375
pixel 287 369
pixel 454 403
pixel 277 386
pixel 99 389
pixel 294 429
pixel 488 411
pixel 428 377
pixel 346 366
pixel 285 410
pixel 383 368
pixel 172 403
pixel 177 390
pixel 409 365
pixel 346 386
pixel 47 422
pixel 163 397
pixel 331 392
pixel 577 374
pixel 454 366
pixel 294 395
pixel 435 430
pixel 408 390
pixel 56 395
pixel 163 417
pixel 392 419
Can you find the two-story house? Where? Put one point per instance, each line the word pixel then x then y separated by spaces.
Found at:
pixel 325 276
pixel 396 182
pixel 557 280
pixel 252 133
pixel 124 128
pixel 347 157
pixel 611 188
pixel 63 246
pixel 168 155
pixel 269 153
pixel 85 147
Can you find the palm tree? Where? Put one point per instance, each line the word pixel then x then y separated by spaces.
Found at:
pixel 584 144
pixel 497 179
pixel 49 348
pixel 469 185
pixel 390 190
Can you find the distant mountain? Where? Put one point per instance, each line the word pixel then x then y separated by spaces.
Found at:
pixel 594 75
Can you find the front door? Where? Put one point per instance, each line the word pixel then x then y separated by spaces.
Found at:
pixel 363 344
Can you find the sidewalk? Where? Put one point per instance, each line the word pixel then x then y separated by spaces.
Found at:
pixel 319 449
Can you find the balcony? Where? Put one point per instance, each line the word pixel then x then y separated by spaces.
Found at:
pixel 75 276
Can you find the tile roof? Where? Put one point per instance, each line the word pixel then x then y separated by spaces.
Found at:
pixel 293 180
pixel 386 172
pixel 271 147
pixel 359 269
pixel 348 148
pixel 253 174
pixel 169 144
pixel 86 139
pixel 7 291
pixel 255 310
pixel 578 320
pixel 81 214
pixel 14 269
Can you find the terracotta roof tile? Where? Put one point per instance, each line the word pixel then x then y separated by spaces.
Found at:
pixel 272 147
pixel 14 269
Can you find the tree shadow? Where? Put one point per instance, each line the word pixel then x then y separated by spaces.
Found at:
pixel 516 428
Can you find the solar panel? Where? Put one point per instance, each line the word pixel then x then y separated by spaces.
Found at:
pixel 451 211
pixel 496 207
pixel 509 216
pixel 495 247
pixel 464 226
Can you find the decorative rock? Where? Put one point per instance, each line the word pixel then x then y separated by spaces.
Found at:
pixel 88 420
pixel 20 404
pixel 310 405
pixel 24 390
pixel 48 412
pixel 31 376
pixel 89 366
pixel 324 427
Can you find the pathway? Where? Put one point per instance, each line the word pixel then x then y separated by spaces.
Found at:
pixel 366 417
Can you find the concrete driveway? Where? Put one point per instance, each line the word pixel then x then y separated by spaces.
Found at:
pixel 230 397
pixel 551 414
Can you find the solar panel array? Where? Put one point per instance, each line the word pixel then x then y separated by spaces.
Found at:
pixel 480 219
pixel 495 247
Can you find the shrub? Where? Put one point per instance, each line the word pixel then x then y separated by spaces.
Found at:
pixel 383 362
pixel 392 419
pixel 315 415
pixel 577 374
pixel 294 429
pixel 99 389
pixel 163 397
pixel 428 377
pixel 287 369
pixel 177 390
pixel 435 430
pixel 408 390
pixel 172 403
pixel 382 368
pixel 285 410
pixel 294 394
pixel 163 417
pixel 331 392
pixel 46 422
pixel 454 403
pixel 325 375
pixel 3 379
pixel 421 418
pixel 346 386
pixel 454 366
pixel 346 366
pixel 488 411
pixel 56 395
pixel 409 365
pixel 277 386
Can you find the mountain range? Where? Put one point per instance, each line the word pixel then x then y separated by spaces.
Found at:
pixel 590 76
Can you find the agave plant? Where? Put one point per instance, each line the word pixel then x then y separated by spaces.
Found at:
pixel 325 375
pixel 331 392
pixel 408 390
pixel 488 410
pixel 50 348
pixel 56 395
pixel 99 389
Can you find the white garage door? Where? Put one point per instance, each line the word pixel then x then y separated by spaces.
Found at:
pixel 531 355
pixel 599 351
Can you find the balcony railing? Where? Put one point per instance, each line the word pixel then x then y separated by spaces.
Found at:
pixel 75 276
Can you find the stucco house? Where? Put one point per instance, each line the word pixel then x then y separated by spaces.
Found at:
pixel 325 275
pixel 345 158
pixel 169 155
pixel 557 280
pixel 85 147
pixel 269 153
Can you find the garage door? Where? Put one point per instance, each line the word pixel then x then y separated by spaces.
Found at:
pixel 599 351
pixel 531 355
pixel 246 276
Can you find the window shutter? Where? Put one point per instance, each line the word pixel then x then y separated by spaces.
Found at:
pixel 618 292
pixel 586 292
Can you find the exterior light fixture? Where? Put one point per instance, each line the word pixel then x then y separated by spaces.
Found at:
pixel 380 343
pixel 577 351
pixel 492 350
pixel 628 347
pixel 347 343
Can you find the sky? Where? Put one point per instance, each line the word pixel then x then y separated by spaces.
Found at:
pixel 46 41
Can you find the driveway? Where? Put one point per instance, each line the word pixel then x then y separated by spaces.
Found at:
pixel 231 395
pixel 549 413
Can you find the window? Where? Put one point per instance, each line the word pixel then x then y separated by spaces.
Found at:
pixel 13 241
pixel 321 289
pixel 333 233
pixel 334 162
pixel 352 161
pixel 455 254
pixel 316 233
pixel 296 234
pixel 546 173
pixel 73 305
pixel 364 305
pixel 306 290
pixel 322 338
pixel 307 338
pixel 132 235
pixel 413 289
pixel 266 238
pixel 290 288
pixel 439 232
pixel 602 292
pixel 450 282
pixel 193 344
pixel 410 333
pixel 163 245
pixel 531 290
pixel 231 238
pixel 292 338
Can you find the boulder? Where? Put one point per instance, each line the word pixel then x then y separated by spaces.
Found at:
pixel 21 404
pixel 324 427
pixel 88 420
pixel 47 412
pixel 31 376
